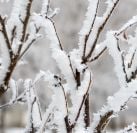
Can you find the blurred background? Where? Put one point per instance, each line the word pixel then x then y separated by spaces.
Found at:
pixel 68 23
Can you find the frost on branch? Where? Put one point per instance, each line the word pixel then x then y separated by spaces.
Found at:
pixel 92 32
pixel 34 112
pixel 5 58
pixel 88 23
pixel 115 104
pixel 69 109
pixel 117 55
pixel 128 90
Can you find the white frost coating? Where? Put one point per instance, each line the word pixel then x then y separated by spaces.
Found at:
pixel 128 24
pixel 99 48
pixel 54 84
pixel 60 56
pixel 85 83
pixel 39 76
pixel 93 34
pixel 46 116
pixel 14 89
pixel 19 8
pixel 76 60
pixel 16 18
pixel 77 95
pixel 51 34
pixel 39 20
pixel 130 129
pixel 117 102
pixel 44 7
pixel 5 58
pixel 82 130
pixel 33 106
pixel 111 43
pixel 63 63
pixel 132 52
pixel 18 12
pixel 122 96
pixel 80 126
pixel 55 12
pixel 110 5
pixel 99 21
pixel 87 23
pixel 58 103
pixel 33 36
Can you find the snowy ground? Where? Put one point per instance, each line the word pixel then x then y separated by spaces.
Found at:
pixel 14 130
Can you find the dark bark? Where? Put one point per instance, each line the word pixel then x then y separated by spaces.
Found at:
pixel 103 122
pixel 87 112
pixel 68 126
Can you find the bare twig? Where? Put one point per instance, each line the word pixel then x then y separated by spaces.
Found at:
pixel 60 45
pixel 82 102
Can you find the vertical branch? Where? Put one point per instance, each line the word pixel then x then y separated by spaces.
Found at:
pixel 78 78
pixel 87 112
pixel 82 103
pixel 45 7
pixel 34 113
pixel 91 28
pixel 123 60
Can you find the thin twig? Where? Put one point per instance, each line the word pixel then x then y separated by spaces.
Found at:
pixel 65 97
pixel 87 36
pixel 60 45
pixel 82 103
pixel 132 58
pixel 98 55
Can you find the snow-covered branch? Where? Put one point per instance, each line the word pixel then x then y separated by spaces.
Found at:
pixel 69 109
pixel 98 26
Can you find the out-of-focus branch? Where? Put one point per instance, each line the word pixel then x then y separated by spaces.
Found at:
pixel 130 129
